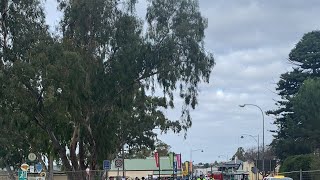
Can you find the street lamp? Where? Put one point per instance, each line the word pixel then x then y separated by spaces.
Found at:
pixel 262 132
pixel 257 141
pixel 191 163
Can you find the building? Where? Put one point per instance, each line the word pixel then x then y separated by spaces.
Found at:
pixel 144 168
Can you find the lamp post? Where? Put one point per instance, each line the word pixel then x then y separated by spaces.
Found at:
pixel 257 141
pixel 191 163
pixel 262 132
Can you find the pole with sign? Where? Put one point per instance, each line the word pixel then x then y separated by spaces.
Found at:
pixel 106 167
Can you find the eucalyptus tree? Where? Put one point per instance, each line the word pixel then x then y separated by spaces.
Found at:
pixel 105 81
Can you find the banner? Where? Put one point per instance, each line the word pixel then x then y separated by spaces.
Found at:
pixel 186 167
pixel 156 157
pixel 178 156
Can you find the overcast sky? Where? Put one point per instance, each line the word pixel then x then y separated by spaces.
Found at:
pixel 250 40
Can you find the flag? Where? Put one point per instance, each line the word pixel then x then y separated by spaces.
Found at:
pixel 156 157
pixel 178 156
pixel 187 167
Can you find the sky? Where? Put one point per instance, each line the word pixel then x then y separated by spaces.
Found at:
pixel 250 41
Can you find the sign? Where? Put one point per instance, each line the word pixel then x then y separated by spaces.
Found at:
pixel 32 157
pixel 39 167
pixel 106 165
pixel 175 166
pixel 31 169
pixel 178 157
pixel 118 163
pixel 22 175
pixel 24 167
pixel 43 174
pixel 156 157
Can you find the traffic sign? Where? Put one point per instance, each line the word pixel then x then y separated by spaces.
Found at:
pixel 24 167
pixel 106 165
pixel 43 174
pixel 118 163
pixel 31 169
pixel 22 175
pixel 39 167
pixel 32 157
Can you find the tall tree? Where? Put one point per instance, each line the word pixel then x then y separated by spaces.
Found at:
pixel 305 58
pixel 306 106
pixel 95 88
pixel 239 154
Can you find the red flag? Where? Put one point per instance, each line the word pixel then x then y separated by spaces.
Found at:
pixel 156 157
pixel 178 156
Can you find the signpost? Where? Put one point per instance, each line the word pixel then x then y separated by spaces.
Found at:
pixel 106 167
pixel 118 164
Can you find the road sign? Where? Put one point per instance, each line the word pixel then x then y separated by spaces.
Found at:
pixel 39 167
pixel 32 157
pixel 24 167
pixel 31 169
pixel 106 165
pixel 22 175
pixel 118 163
pixel 43 174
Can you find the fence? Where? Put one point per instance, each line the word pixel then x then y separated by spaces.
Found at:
pixel 101 175
pixel 302 175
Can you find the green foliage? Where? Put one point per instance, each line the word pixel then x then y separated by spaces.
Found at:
pixel 239 154
pixel 297 162
pixel 95 88
pixel 289 139
pixel 306 106
pixel 143 152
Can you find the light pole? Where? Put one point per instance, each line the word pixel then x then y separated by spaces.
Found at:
pixel 257 141
pixel 262 132
pixel 191 163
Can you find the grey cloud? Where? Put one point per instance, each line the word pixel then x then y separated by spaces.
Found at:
pixel 250 23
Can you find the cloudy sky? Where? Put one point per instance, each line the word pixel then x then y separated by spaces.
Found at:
pixel 250 40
